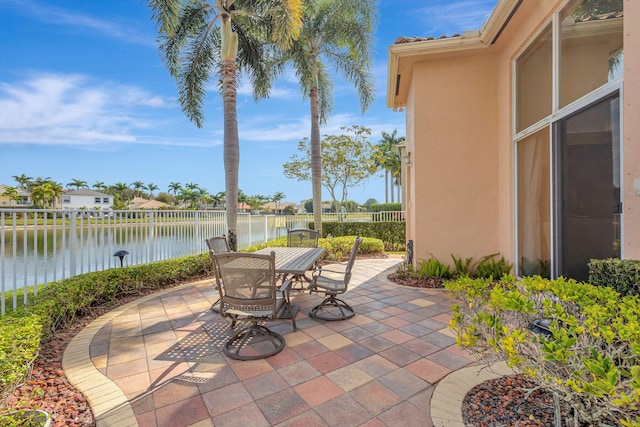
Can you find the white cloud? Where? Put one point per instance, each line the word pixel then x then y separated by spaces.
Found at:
pixel 54 109
pixel 77 20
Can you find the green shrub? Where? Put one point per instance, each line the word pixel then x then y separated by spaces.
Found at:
pixel 385 207
pixel 488 267
pixel 20 338
pixel 623 275
pixel 432 268
pixel 463 267
pixel 590 355
pixel 337 248
pixel 392 233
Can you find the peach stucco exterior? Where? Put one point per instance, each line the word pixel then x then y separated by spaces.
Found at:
pixel 458 94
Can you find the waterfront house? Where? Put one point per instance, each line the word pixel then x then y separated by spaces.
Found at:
pixel 522 137
pixel 86 199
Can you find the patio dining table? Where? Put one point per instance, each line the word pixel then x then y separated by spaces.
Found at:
pixel 292 261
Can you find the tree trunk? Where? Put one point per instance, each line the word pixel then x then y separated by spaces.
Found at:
pixel 386 185
pixel 231 149
pixel 316 161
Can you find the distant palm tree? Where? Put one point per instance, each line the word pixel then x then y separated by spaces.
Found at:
pixel 174 187
pixel 152 187
pixel 277 198
pixel 78 183
pixel 120 189
pixel 138 186
pixel 23 181
pixel 45 194
pixel 337 33
pixel 12 193
pixel 99 185
pixel 387 157
pixel 193 46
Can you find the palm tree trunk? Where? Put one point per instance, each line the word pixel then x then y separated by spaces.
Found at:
pixel 316 161
pixel 231 149
pixel 386 185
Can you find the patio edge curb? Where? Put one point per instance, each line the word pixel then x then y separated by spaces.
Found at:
pixel 446 402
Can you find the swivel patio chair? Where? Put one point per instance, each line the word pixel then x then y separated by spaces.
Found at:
pixel 218 245
pixel 248 294
pixel 301 238
pixel 333 308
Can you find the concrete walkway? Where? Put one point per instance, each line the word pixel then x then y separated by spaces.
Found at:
pixel 157 361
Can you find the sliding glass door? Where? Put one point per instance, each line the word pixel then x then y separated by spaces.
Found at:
pixel 587 187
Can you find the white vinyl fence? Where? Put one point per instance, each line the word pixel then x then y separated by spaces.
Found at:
pixel 40 246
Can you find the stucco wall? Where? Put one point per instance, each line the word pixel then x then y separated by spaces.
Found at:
pixel 631 132
pixel 455 157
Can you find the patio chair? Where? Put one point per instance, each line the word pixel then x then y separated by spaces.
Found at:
pixel 218 245
pixel 248 294
pixel 301 238
pixel 333 308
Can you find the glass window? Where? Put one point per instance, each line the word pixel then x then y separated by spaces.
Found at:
pixel 66 199
pixel 96 200
pixel 534 81
pixel 105 200
pixel 591 47
pixel 534 226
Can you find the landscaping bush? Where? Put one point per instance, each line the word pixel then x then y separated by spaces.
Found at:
pixel 623 275
pixel 392 233
pixel 578 340
pixel 385 207
pixel 337 248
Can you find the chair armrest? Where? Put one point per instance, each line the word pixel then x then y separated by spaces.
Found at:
pixel 320 270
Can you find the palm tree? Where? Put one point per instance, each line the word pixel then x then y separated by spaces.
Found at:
pixel 387 157
pixel 174 187
pixel 99 185
pixel 45 193
pixel 23 181
pixel 138 186
pixel 78 183
pixel 12 193
pixel 152 187
pixel 336 33
pixel 190 39
pixel 120 188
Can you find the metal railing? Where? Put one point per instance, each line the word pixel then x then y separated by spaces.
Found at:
pixel 42 246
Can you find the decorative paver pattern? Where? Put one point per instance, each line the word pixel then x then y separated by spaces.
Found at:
pixel 157 361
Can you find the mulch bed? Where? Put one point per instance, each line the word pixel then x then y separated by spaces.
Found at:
pixel 415 282
pixel 509 401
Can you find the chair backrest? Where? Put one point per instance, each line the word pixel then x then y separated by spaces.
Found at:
pixel 302 238
pixel 218 245
pixel 352 260
pixel 246 281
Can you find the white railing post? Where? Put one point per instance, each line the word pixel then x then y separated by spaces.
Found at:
pixel 73 242
pixel 152 237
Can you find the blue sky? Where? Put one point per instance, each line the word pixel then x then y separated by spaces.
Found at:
pixel 84 95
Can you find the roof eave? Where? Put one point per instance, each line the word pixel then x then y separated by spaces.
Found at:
pixel 487 35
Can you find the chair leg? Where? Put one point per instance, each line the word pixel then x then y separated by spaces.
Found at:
pixel 331 309
pixel 253 334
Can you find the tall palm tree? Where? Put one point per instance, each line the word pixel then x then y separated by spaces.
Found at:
pixel 78 183
pixel 387 157
pixel 23 181
pixel 120 188
pixel 193 45
pixel 335 33
pixel 45 193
